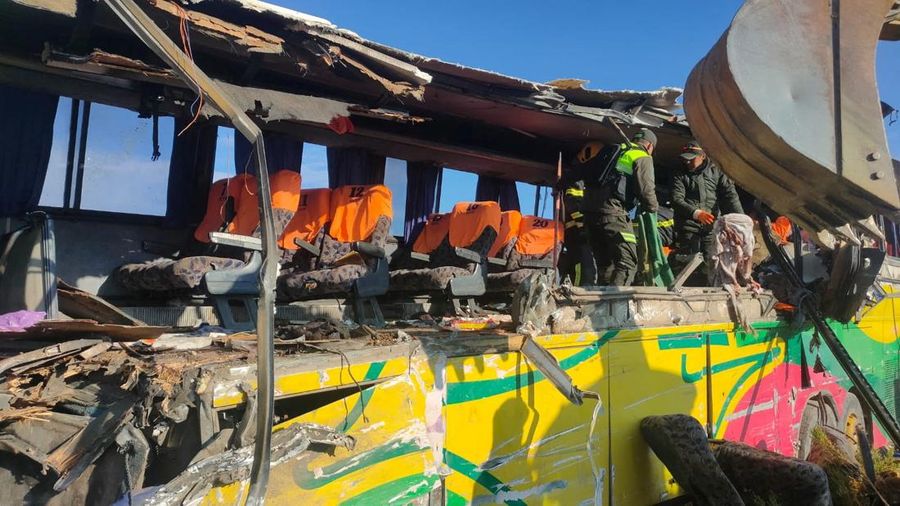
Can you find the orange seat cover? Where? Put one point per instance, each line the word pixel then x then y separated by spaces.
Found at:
pixel 782 228
pixel 433 233
pixel 243 188
pixel 284 187
pixel 355 211
pixel 312 214
pixel 510 221
pixel 215 211
pixel 536 235
pixel 469 219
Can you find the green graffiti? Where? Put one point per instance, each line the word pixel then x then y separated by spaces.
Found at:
pixel 454 499
pixel 342 468
pixel 372 373
pixel 693 377
pixel 465 391
pixel 400 491
pixel 488 481
pixel 691 340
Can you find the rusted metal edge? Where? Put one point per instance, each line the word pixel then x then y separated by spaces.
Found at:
pixel 155 39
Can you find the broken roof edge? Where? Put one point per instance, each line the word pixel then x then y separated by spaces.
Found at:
pixel 664 98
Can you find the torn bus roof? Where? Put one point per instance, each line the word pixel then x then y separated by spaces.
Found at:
pixel 401 104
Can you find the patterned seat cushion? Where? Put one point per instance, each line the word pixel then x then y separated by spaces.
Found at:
pixel 434 279
pixel 508 281
pixel 307 277
pixel 297 284
pixel 165 275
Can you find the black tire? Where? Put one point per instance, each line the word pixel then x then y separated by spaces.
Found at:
pixel 821 411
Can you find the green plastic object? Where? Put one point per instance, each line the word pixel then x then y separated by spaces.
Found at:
pixel 656 269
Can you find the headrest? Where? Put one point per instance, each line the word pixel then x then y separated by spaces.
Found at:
pixel 284 186
pixel 355 211
pixel 243 189
pixel 215 211
pixel 469 219
pixel 536 235
pixel 312 214
pixel 509 228
pixel 433 233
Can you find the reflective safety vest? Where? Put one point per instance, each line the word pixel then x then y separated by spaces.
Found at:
pixel 631 154
pixel 576 217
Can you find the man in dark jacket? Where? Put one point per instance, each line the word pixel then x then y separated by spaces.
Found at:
pixel 700 193
pixel 606 208
pixel 577 260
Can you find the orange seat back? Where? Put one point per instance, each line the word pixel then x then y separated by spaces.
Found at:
pixel 284 186
pixel 536 236
pixel 312 214
pixel 355 210
pixel 510 221
pixel 243 188
pixel 433 233
pixel 469 219
pixel 215 211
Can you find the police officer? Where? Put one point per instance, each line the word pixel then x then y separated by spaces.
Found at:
pixel 577 260
pixel 607 205
pixel 700 193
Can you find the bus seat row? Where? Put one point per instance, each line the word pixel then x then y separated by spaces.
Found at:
pixel 333 243
pixel 232 207
pixel 450 253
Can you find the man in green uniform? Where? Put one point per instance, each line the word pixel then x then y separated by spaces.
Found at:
pixel 700 193
pixel 606 208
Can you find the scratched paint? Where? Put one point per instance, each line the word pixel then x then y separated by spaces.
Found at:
pixel 493 430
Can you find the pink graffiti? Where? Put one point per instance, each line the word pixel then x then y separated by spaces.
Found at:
pixel 769 414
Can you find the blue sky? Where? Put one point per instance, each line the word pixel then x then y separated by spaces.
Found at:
pixel 608 43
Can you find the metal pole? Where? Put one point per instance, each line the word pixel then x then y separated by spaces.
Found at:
pixel 556 206
pixel 70 155
pixel 82 152
pixel 155 39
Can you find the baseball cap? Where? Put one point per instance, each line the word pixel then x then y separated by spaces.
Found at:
pixel 691 150
pixel 645 135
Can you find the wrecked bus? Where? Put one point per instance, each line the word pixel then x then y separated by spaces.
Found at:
pixel 327 371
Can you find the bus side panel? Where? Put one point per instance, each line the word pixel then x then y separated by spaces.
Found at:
pixel 648 377
pixel 513 438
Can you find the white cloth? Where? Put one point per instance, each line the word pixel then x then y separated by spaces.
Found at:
pixel 731 251
pixel 731 254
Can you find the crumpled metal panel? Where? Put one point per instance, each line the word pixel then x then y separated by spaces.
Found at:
pixel 787 103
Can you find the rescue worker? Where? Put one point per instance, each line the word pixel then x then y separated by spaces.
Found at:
pixel 577 260
pixel 700 193
pixel 607 204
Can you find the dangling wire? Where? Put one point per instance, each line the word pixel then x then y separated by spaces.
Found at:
pixel 184 31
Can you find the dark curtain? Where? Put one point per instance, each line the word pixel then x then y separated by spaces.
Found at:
pixel 190 173
pixel 421 190
pixel 26 136
pixel 354 166
pixel 283 152
pixel 499 190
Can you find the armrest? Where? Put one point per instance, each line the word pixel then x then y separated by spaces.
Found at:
pixel 536 263
pixel 467 254
pixel 238 241
pixel 160 248
pixel 497 261
pixel 422 257
pixel 368 249
pixel 307 246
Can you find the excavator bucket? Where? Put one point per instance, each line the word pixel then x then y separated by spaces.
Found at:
pixel 787 103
